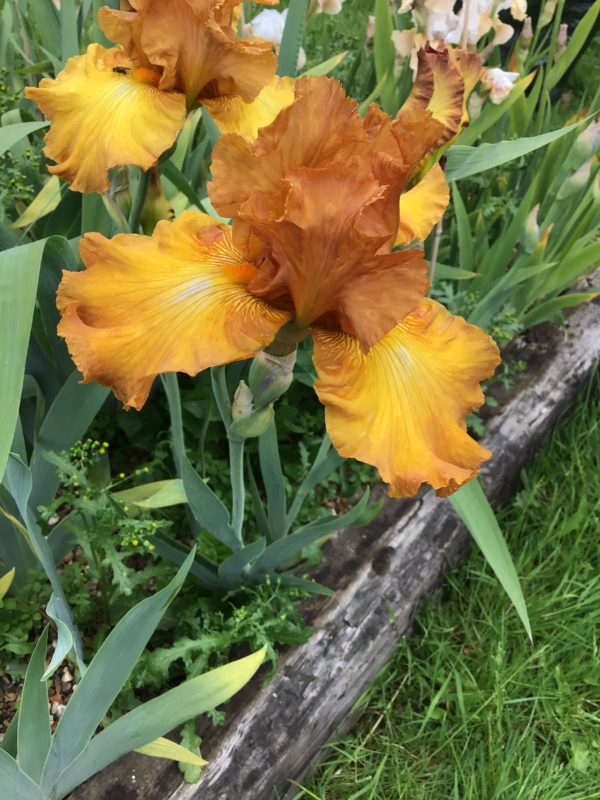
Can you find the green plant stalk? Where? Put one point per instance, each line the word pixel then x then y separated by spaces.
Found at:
pixel 307 484
pixel 236 452
pixel 553 44
pixel 576 212
pixel 203 432
pixel 304 489
pixel 585 224
pixel 137 206
pixel 218 381
pixel 238 487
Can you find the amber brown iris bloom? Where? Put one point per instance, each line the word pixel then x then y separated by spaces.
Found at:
pixel 316 205
pixel 126 105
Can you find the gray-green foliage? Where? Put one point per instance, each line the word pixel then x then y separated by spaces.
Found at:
pixel 38 765
pixel 278 546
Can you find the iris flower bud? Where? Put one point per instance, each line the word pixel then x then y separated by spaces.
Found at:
pixel 547 13
pixel 530 235
pixel 576 181
pixel 586 144
pixel 270 377
pixel 248 421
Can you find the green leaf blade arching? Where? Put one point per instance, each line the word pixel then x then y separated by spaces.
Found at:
pixel 464 161
pixel 6 582
pixel 15 784
pixel 95 694
pixel 555 305
pixel 326 66
pixel 19 272
pixel 207 508
pixel 473 507
pixel 284 549
pixel 158 716
pixel 33 732
pixel 11 134
pixel 158 494
pixel 292 38
pixel 45 201
pixel 64 642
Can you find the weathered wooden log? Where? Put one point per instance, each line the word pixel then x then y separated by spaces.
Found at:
pixel 382 574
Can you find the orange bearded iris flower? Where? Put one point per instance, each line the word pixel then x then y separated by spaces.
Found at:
pixel 314 202
pixel 126 105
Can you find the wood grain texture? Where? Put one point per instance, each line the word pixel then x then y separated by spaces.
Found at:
pixel 382 574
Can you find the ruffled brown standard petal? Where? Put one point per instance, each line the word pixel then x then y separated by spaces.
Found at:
pixel 105 113
pixel 321 253
pixel 434 111
pixel 176 301
pixel 471 70
pixel 314 201
pixel 320 128
pixel 402 406
pixel 195 45
pixel 407 140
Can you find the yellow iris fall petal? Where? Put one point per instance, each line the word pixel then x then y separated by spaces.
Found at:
pixel 176 301
pixel 104 113
pixel 234 115
pixel 402 406
pixel 423 206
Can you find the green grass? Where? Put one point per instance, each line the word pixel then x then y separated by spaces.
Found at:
pixel 468 709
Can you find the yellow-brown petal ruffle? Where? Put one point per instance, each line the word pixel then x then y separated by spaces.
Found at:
pixel 234 115
pixel 322 253
pixel 423 206
pixel 319 129
pixel 445 78
pixel 402 406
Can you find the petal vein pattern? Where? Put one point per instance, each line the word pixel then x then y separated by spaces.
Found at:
pixel 104 113
pixel 174 302
pixel 402 406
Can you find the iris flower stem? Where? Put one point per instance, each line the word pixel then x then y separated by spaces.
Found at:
pixel 435 250
pixel 219 386
pixel 236 451
pixel 238 488
pixel 137 206
pixel 467 4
